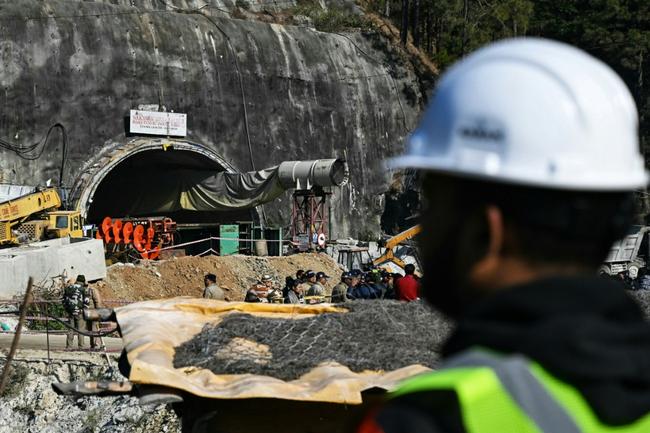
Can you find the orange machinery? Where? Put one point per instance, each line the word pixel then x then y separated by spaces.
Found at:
pixel 145 236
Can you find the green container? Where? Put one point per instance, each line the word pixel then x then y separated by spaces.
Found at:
pixel 228 247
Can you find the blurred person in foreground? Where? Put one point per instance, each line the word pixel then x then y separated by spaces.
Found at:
pixel 529 154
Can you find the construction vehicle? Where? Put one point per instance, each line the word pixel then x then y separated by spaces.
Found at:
pixel 629 254
pixel 134 238
pixel 391 243
pixel 34 217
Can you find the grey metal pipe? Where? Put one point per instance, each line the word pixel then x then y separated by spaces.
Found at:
pixel 307 174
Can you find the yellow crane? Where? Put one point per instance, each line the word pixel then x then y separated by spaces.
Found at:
pixel 34 217
pixel 389 255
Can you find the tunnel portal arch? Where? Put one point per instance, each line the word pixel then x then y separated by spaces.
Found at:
pixel 127 170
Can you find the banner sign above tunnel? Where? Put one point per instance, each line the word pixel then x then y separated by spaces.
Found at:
pixel 158 123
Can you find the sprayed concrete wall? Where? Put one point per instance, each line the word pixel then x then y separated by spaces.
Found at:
pixel 307 94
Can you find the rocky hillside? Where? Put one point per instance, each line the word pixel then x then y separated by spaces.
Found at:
pixel 261 82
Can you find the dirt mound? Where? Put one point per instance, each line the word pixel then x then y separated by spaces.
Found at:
pixel 184 276
pixel 373 335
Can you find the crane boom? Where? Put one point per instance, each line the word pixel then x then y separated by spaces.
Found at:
pixel 391 243
pixel 15 211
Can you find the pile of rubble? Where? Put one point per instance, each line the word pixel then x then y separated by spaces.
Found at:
pixel 184 276
pixel 29 403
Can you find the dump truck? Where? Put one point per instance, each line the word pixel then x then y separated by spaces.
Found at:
pixel 36 216
pixel 629 254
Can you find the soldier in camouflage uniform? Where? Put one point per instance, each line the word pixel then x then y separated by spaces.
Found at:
pixel 74 301
pixel 76 297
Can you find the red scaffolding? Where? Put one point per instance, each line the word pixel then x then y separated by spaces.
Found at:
pixel 309 219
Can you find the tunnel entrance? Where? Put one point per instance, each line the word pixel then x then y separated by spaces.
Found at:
pixel 141 178
pixel 144 184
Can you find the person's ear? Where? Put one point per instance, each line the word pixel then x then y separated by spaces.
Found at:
pixel 489 264
pixel 496 230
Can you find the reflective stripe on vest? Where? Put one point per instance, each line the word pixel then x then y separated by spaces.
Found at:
pixel 527 392
pixel 513 395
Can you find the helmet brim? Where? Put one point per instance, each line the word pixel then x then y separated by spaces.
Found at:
pixel 604 182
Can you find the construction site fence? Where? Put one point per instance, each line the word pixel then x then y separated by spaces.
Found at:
pixel 45 307
pixel 220 238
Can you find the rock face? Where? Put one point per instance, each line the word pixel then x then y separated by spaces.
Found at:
pixel 30 404
pixel 307 94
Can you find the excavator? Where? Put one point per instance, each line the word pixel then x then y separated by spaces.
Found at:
pixel 35 217
pixel 391 243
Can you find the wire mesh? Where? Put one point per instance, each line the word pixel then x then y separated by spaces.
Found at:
pixel 373 335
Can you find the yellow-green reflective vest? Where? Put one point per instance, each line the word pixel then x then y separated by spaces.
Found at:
pixel 511 394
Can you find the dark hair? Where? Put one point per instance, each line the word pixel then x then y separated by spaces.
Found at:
pixel 409 269
pixel 211 277
pixel 544 225
pixel 289 283
pixel 547 227
pixel 299 273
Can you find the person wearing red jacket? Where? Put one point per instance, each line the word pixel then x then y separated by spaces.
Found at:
pixel 407 288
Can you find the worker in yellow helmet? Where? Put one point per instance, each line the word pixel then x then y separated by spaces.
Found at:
pixel 529 157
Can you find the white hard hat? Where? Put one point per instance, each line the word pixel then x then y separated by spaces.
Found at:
pixel 532 112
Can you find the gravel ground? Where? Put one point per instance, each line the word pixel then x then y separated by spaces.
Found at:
pixel 30 405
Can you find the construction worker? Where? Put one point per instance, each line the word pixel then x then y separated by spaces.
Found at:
pixel 305 279
pixel 339 291
pixel 318 287
pixel 408 288
pixel 74 301
pixel 529 156
pixel 92 299
pixel 212 290
pixel 294 293
pixel 274 293
pixel 316 292
pixel 353 280
pixel 259 292
pixel 388 280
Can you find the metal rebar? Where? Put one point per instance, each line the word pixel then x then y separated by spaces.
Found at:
pixel 47 333
pixel 14 343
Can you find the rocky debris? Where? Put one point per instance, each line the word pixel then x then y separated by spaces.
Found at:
pixel 373 335
pixel 184 276
pixel 30 404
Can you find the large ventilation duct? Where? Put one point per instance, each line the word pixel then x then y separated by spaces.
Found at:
pixel 230 191
pixel 307 174
pixel 151 183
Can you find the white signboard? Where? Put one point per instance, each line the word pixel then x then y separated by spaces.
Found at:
pixel 158 123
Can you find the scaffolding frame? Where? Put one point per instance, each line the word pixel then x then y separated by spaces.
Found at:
pixel 309 217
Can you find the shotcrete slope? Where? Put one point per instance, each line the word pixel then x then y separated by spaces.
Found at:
pixel 308 94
